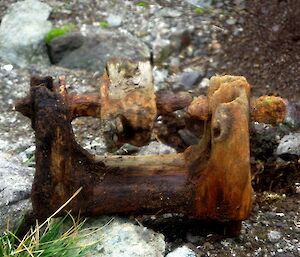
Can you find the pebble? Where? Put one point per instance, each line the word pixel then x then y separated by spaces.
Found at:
pixel 182 251
pixel 208 246
pixel 188 79
pixel 169 12
pixel 114 20
pixel 159 76
pixel 274 236
pixel 7 67
pixel 204 83
pixel 192 238
pixel 231 21
pixel 155 147
pixel 289 146
pixel 200 3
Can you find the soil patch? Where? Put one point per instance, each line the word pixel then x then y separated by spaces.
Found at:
pixel 266 49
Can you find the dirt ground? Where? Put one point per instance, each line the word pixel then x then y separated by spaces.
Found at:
pixel 267 48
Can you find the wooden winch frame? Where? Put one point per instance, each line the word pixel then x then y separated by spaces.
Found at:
pixel 208 181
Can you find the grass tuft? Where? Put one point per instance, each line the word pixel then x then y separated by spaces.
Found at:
pixel 52 239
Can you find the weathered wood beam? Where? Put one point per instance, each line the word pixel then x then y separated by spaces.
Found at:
pixel 208 181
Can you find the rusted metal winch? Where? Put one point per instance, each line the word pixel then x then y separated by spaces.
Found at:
pixel 208 181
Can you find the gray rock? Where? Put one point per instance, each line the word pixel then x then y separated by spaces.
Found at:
pixel 60 47
pixel 187 80
pixel 15 187
pixel 182 251
pixel 101 45
pixel 22 31
pixel 162 49
pixel 159 78
pixel 274 236
pixel 293 115
pixel 169 12
pixel 127 149
pixel 231 21
pixel 155 147
pixel 119 237
pixel 200 3
pixel 169 42
pixel 289 146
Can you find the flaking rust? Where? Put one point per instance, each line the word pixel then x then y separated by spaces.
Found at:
pixel 208 181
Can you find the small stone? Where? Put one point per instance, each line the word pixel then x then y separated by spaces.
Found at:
pixel 274 236
pixel 169 12
pixel 7 67
pixel 183 251
pixel 127 149
pixel 200 3
pixel 215 45
pixel 231 21
pixel 161 50
pixel 192 238
pixel 208 246
pixel 275 28
pixel 204 83
pixel 188 79
pixel 114 20
pixel 289 146
pixel 156 148
pixel 159 77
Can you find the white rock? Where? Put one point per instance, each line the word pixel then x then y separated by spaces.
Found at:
pixel 7 67
pixel 274 236
pixel 204 83
pixel 156 148
pixel 183 251
pixel 114 20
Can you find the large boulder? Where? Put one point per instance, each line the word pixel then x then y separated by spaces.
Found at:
pixel 15 187
pixel 98 46
pixel 22 31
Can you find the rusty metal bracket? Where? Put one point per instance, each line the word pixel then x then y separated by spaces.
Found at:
pixel 209 181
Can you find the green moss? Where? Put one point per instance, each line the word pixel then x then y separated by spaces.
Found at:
pixel 199 10
pixel 58 32
pixel 103 24
pixel 142 4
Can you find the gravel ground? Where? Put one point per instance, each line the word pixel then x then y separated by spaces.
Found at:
pixel 274 226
